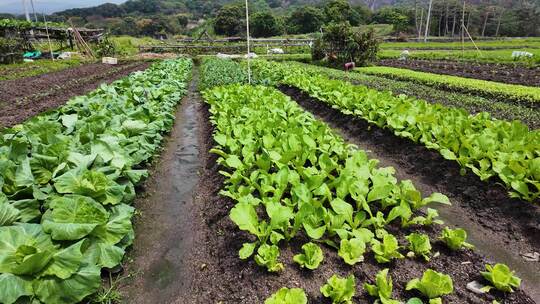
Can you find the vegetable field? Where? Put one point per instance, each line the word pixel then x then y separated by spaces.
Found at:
pixel 199 183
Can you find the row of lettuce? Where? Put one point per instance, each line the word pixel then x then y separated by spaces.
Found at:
pixel 487 146
pixel 291 177
pixel 68 178
pixel 491 89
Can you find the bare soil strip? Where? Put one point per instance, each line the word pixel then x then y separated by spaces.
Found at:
pixel 500 227
pixel 166 230
pixel 217 275
pixel 23 98
pixel 487 71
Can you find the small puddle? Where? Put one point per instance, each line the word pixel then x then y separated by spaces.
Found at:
pixel 164 231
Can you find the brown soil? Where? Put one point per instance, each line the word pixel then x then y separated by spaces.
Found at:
pixel 487 71
pixel 217 274
pixel 23 98
pixel 500 227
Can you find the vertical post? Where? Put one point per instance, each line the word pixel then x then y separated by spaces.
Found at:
pixel 34 10
pixel 48 38
pixel 26 11
pixel 463 30
pixel 248 46
pixel 427 21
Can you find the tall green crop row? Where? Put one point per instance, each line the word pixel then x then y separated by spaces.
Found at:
pixel 289 174
pixel 492 89
pixel 489 147
pixel 68 178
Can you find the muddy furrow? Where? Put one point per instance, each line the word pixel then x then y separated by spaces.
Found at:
pixel 502 229
pixel 38 94
pixel 166 230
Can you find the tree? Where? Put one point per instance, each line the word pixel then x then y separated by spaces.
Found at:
pixel 230 20
pixel 265 24
pixel 340 11
pixel 340 43
pixel 364 13
pixel 391 15
pixel 304 20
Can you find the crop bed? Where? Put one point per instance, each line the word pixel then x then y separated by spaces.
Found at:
pixel 471 103
pixel 494 72
pixel 25 97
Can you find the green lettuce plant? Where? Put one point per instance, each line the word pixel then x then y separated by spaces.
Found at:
pixel 339 290
pixel 267 256
pixel 311 258
pixel 501 277
pixel 433 285
pixel 352 251
pixel 455 239
pixel 288 296
pixel 382 288
pixel 387 250
pixel 419 245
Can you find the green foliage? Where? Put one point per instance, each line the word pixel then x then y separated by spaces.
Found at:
pixel 218 72
pixel 387 250
pixel 288 296
pixel 230 20
pixel 501 277
pixel 419 245
pixel 432 284
pixel 455 239
pixel 470 140
pixel 311 258
pixel 352 251
pixel 392 15
pixel 74 171
pixel 382 288
pixel 340 43
pixel 307 19
pixel 267 256
pixel 265 24
pixel 339 290
pixel 499 90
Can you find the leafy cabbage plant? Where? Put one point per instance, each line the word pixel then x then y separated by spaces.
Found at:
pixel 455 239
pixel 382 288
pixel 419 245
pixel 339 290
pixel 501 277
pixel 433 285
pixel 288 296
pixel 352 251
pixel 311 258
pixel 387 250
pixel 74 171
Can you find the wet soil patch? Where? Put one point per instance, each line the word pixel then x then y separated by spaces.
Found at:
pixel 512 74
pixel 502 228
pixel 166 229
pixel 23 98
pixel 219 276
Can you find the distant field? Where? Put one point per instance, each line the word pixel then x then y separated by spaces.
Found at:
pixel 517 43
pixel 502 56
pixel 38 67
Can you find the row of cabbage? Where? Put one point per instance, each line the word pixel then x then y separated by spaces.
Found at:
pixel 68 178
pixel 290 175
pixel 496 90
pixel 487 146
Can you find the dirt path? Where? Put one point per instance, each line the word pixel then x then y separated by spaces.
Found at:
pixel 501 228
pixel 23 98
pixel 166 231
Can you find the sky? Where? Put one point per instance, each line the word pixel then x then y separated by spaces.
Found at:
pixel 49 6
